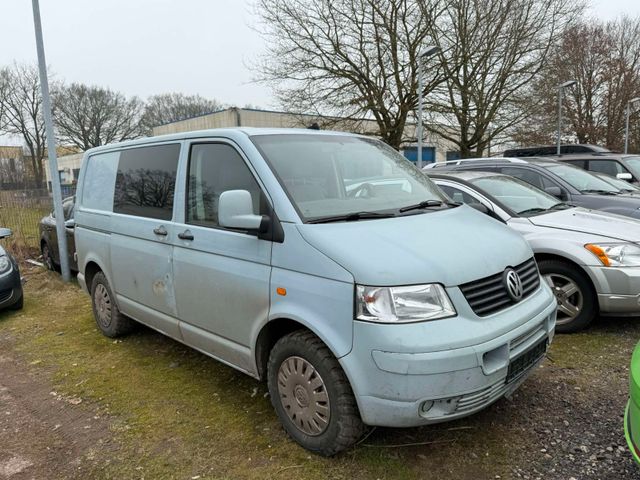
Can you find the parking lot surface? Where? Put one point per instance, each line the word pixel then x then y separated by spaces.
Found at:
pixel 75 404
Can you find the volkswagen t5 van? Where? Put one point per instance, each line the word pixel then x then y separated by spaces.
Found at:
pixel 323 262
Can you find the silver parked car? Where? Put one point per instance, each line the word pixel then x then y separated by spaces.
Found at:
pixel 590 259
pixel 325 263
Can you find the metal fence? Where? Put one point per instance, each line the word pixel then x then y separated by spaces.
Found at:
pixel 21 210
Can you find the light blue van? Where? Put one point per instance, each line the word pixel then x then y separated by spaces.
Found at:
pixel 323 262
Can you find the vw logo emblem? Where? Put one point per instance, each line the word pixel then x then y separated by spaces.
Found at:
pixel 513 284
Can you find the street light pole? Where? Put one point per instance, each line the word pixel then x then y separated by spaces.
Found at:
pixel 422 56
pixel 626 128
pixel 560 91
pixel 51 147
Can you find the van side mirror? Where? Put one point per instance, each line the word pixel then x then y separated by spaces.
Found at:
pixel 5 232
pixel 235 210
pixel 555 191
pixel 624 176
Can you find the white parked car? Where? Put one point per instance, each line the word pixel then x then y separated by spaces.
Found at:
pixel 589 258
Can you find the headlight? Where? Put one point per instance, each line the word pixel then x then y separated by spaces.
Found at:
pixel 5 264
pixel 616 254
pixel 413 303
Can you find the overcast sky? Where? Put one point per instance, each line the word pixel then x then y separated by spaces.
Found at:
pixel 145 47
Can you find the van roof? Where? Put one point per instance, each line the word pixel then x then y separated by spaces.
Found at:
pixel 220 132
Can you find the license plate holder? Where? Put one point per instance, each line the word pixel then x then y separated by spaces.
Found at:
pixel 526 360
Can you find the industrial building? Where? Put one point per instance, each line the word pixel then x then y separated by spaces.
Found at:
pixel 434 148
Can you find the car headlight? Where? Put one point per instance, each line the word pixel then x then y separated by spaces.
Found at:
pixel 412 303
pixel 616 254
pixel 5 264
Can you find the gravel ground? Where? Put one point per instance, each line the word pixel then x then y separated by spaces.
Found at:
pixel 575 407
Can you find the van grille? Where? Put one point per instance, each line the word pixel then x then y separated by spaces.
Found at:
pixel 489 295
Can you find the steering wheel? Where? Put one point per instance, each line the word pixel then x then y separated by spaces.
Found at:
pixel 364 190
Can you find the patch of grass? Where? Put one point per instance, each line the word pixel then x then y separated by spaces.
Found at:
pixel 177 413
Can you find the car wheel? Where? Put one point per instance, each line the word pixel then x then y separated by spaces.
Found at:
pixel 109 319
pixel 577 306
pixel 19 304
pixel 47 259
pixel 312 395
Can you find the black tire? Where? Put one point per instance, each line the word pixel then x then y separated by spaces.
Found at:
pixel 589 301
pixel 344 427
pixel 19 304
pixel 111 322
pixel 47 258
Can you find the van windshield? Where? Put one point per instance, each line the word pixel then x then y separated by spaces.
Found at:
pixel 329 176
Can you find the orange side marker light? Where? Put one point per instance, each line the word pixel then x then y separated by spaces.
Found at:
pixel 599 252
pixel 281 291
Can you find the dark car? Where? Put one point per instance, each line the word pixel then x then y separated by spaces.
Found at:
pixel 623 167
pixel 49 238
pixel 563 181
pixel 10 281
pixel 544 150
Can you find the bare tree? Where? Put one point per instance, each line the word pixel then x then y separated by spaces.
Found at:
pixel 490 52
pixel 89 116
pixel 349 58
pixel 604 58
pixel 22 107
pixel 173 107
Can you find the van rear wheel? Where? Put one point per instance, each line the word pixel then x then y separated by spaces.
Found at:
pixel 311 394
pixel 577 305
pixel 109 319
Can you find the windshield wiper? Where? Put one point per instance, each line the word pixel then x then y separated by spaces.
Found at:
pixel 428 204
pixel 600 192
pixel 532 210
pixel 560 206
pixel 352 217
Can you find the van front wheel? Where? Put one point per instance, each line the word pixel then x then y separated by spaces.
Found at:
pixel 109 319
pixel 312 395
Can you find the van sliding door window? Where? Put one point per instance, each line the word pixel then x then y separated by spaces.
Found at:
pixel 146 181
pixel 215 168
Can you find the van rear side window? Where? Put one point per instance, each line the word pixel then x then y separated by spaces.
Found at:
pixel 99 181
pixel 146 181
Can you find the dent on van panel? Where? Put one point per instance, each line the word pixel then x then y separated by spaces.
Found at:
pixel 143 270
pixel 162 285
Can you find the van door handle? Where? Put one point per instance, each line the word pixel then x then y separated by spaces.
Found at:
pixel 186 235
pixel 161 231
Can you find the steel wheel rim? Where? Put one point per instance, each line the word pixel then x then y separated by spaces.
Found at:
pixel 568 295
pixel 303 396
pixel 102 303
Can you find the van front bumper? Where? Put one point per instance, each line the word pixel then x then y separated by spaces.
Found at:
pixel 405 389
pixel 618 289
